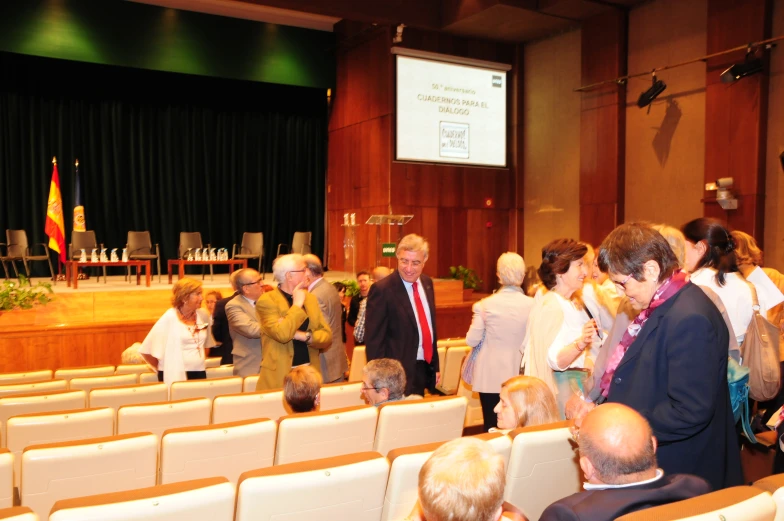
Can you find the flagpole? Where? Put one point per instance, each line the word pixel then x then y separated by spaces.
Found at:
pixel 60 275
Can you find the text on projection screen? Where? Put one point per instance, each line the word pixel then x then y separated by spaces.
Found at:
pixel 448 113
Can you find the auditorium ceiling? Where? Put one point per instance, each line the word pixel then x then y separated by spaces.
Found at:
pixel 514 21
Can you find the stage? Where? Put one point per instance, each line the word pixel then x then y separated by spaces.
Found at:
pixel 93 324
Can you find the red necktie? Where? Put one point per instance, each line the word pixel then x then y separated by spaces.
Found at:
pixel 427 339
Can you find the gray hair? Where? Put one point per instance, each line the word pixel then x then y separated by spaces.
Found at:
pixel 285 264
pixel 313 263
pixel 244 276
pixel 413 242
pixel 386 373
pixel 511 269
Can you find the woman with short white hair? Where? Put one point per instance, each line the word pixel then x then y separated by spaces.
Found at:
pixel 499 324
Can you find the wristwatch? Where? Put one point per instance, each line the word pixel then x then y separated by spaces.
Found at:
pixel 309 337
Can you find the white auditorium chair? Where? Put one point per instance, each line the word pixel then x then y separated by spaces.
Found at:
pixel 54 427
pixel 404 466
pixel 28 376
pixel 450 371
pixel 158 417
pixel 97 382
pixel 67 373
pixel 205 388
pixel 133 369
pixel 6 479
pixel 339 395
pixel 116 397
pixel 148 378
pixel 406 423
pixel 343 488
pixel 542 467
pixel 441 350
pixel 67 470
pixel 15 405
pixel 17 514
pixel 474 415
pixel 210 499
pixel 33 387
pixel 451 342
pixel 212 361
pixel 729 504
pixel 249 406
pixel 249 383
pixel 775 485
pixel 224 371
pixel 501 443
pixel 358 361
pixel 312 435
pixel 221 449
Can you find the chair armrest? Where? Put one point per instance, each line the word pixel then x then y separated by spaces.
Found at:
pixel 157 250
pixel 233 250
pixel 30 248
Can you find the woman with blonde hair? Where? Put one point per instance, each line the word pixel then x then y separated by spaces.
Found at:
pixel 175 346
pixel 525 401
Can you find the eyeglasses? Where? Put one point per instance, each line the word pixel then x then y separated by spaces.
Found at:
pixel 254 282
pixel 622 284
pixel 406 262
pixel 369 389
pixel 297 271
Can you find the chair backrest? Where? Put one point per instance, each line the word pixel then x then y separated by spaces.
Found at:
pixel 158 417
pixel 775 485
pixel 221 449
pixel 210 499
pixel 252 243
pixel 52 427
pixel 116 397
pixel 249 406
pixel 358 361
pixel 450 342
pixel 139 243
pixel 339 395
pixel 97 382
pixel 189 240
pixel 68 373
pixel 224 371
pixel 300 243
pixel 401 493
pixel 441 350
pixel 99 465
pixel 474 415
pixel 747 503
pixel 6 479
pixel 205 388
pixel 148 378
pixel 501 443
pixel 450 371
pixel 82 240
pixel 349 488
pixel 17 404
pixel 406 423
pixel 132 369
pixel 543 467
pixel 312 435
pixel 18 514
pixel 17 242
pixel 212 361
pixel 33 387
pixel 249 383
pixel 30 376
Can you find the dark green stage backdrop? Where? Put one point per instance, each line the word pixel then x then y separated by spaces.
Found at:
pixel 161 151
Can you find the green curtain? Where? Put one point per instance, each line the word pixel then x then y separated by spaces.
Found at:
pixel 162 152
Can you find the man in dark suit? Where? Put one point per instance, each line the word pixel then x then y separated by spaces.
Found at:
pixel 618 458
pixel 220 331
pixel 401 318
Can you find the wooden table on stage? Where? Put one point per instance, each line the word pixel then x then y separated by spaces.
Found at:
pixel 72 270
pixel 182 263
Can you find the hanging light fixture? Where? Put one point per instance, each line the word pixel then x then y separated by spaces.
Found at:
pixel 748 67
pixel 647 97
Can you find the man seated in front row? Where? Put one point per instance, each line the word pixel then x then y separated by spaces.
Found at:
pixel 383 380
pixel 618 458
pixel 302 389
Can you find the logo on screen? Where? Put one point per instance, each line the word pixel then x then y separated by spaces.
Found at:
pixel 497 81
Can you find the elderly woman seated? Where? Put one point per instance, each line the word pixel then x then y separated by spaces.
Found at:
pixel 383 380
pixel 525 401
pixel 302 389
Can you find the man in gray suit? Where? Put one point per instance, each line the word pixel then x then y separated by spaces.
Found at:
pixel 244 323
pixel 334 363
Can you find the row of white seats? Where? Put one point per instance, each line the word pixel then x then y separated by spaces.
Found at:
pixel 364 486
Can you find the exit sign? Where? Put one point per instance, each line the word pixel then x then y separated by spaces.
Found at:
pixel 388 249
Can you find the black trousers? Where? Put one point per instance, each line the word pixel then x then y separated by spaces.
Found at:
pixel 424 378
pixel 192 375
pixel 489 401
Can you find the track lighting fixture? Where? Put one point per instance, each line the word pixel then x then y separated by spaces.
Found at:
pixel 398 38
pixel 748 67
pixel 647 97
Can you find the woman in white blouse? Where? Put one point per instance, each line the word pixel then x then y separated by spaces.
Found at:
pixel 500 320
pixel 563 330
pixel 175 346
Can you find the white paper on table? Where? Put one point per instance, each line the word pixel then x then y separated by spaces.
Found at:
pixel 767 292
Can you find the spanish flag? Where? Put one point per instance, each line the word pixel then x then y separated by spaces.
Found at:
pixel 78 214
pixel 55 228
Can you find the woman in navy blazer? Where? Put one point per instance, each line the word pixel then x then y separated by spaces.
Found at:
pixel 671 366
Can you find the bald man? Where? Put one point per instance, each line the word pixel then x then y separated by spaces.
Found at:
pixel 618 458
pixel 380 272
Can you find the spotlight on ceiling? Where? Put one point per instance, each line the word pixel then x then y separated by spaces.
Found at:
pixel 741 70
pixel 398 38
pixel 647 97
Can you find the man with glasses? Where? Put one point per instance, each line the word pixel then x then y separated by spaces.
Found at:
pixel 400 319
pixel 383 380
pixel 293 329
pixel 243 322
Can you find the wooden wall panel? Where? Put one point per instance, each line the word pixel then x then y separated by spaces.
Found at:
pixel 774 177
pixel 736 113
